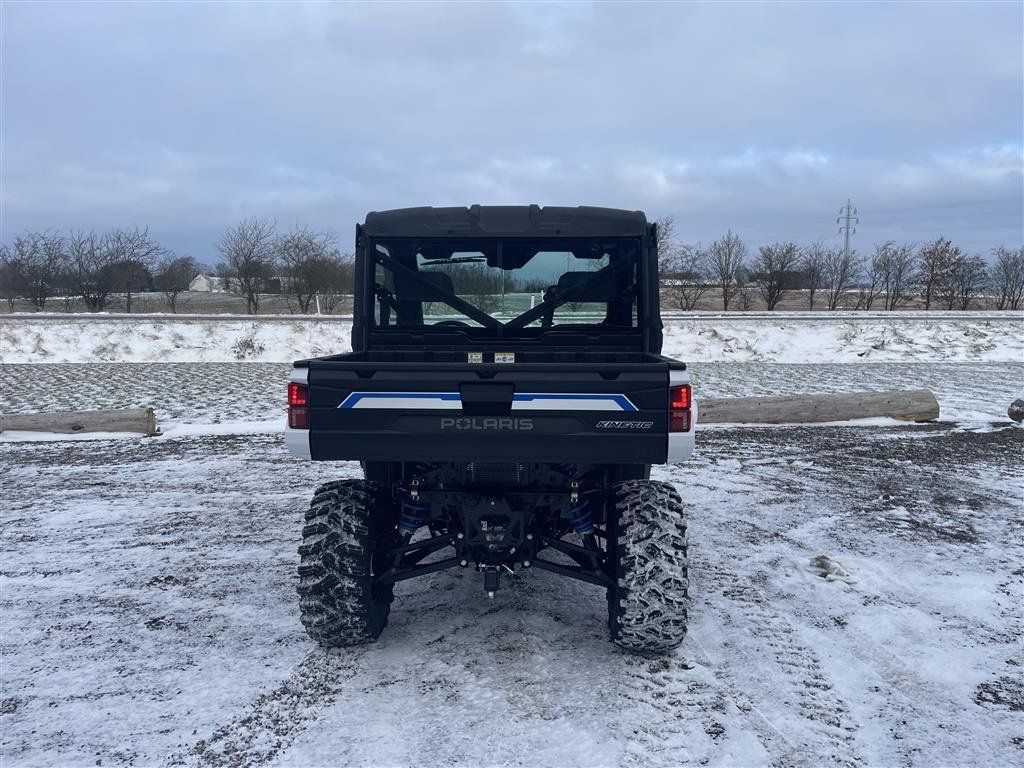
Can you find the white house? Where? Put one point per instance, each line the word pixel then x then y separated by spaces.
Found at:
pixel 206 284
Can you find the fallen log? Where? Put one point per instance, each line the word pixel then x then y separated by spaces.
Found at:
pixel 137 420
pixel 905 405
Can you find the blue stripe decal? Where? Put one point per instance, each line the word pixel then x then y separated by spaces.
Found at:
pixel 621 400
pixel 355 397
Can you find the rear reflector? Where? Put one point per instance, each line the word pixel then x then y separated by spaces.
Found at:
pixel 679 421
pixel 298 406
pixel 298 418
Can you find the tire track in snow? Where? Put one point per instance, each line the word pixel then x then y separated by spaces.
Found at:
pixel 257 736
pixel 762 637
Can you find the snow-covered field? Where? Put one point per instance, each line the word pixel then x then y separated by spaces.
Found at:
pixel 858 593
pixel 149 618
pixel 842 337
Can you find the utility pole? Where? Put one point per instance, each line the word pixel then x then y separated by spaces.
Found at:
pixel 848 218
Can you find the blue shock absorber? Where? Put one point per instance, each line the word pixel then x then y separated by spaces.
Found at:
pixel 413 516
pixel 580 518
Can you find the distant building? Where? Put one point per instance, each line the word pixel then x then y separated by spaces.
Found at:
pixel 212 284
pixel 207 284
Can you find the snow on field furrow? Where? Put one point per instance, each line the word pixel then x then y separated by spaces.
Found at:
pixel 222 393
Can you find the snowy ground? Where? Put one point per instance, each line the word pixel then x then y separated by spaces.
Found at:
pixel 148 613
pixel 149 618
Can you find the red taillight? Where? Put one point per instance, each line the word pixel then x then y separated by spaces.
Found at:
pixel 679 408
pixel 298 395
pixel 298 406
pixel 680 397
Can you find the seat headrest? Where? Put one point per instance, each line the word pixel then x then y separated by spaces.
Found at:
pixel 409 289
pixel 601 290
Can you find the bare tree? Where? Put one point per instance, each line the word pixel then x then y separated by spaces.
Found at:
pixel 173 277
pixel 666 240
pixel 10 278
pixel 35 262
pixel 1008 277
pixel 308 259
pixel 90 269
pixel 888 274
pixel 339 282
pixel 935 261
pixel 873 270
pixel 727 257
pixel 775 267
pixel 812 269
pixel 968 276
pixel 686 276
pixel 898 266
pixel 130 255
pixel 250 259
pixel 840 272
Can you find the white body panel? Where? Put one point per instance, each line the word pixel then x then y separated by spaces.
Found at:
pixel 681 444
pixel 297 440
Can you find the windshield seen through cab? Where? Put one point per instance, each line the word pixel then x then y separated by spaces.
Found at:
pixel 507 284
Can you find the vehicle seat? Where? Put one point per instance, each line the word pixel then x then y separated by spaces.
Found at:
pixel 408 289
pixel 603 290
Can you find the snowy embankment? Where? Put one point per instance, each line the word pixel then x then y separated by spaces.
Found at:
pixel 699 338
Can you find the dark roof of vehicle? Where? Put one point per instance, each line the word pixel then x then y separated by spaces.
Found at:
pixel 506 220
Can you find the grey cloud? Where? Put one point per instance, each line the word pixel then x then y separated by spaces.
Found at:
pixel 763 118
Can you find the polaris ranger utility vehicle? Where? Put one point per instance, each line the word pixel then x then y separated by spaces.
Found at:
pixel 506 398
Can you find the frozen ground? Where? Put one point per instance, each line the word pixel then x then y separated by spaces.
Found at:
pixel 784 337
pixel 149 618
pixel 858 593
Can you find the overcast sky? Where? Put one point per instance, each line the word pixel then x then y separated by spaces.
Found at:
pixel 762 118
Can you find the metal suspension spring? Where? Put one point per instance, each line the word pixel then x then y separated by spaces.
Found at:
pixel 413 516
pixel 580 518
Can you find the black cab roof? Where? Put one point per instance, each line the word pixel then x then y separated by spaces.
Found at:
pixel 505 221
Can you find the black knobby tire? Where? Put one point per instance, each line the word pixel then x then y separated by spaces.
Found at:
pixel 338 602
pixel 647 603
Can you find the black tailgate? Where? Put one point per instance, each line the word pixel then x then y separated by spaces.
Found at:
pixel 559 412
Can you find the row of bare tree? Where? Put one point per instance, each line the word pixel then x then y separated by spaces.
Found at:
pixel 50 266
pixel 67 268
pixel 308 268
pixel 305 263
pixel 893 275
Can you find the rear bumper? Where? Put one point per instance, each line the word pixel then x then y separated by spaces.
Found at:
pixel 297 442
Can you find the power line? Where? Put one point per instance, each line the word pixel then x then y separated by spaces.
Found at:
pixel 848 218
